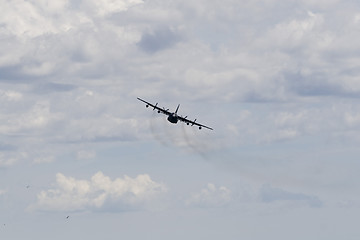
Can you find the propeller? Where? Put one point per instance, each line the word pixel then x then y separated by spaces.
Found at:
pixel 193 122
pixel 155 106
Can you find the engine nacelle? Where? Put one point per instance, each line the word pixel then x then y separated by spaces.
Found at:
pixel 147 105
pixel 200 128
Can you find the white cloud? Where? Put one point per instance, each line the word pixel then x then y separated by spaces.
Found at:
pixel 104 128
pixel 82 46
pixel 256 71
pixel 105 7
pixel 9 158
pixel 35 18
pixel 290 118
pixel 292 33
pixel 72 194
pixel 41 69
pixel 320 3
pixel 11 95
pixel 352 119
pixel 7 162
pixel 45 159
pixel 53 6
pixel 37 117
pixel 29 19
pixel 211 196
pixel 85 154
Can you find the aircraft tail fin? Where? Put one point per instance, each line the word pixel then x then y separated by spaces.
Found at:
pixel 177 108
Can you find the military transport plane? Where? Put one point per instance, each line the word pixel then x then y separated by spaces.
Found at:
pixel 173 117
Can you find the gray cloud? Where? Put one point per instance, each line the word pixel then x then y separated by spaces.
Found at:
pixel 158 40
pixel 278 81
pixel 7 147
pixel 49 87
pixel 275 63
pixel 317 84
pixel 14 74
pixel 270 194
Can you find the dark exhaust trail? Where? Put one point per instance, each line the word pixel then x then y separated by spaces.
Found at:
pixel 194 147
pixel 186 137
pixel 161 133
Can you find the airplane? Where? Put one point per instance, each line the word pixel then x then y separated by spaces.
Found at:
pixel 173 117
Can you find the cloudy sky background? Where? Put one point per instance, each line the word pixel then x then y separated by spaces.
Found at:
pixel 278 82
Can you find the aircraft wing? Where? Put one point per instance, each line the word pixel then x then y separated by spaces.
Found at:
pixel 187 121
pixel 160 110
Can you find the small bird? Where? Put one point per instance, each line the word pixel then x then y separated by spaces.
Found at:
pixel 67 217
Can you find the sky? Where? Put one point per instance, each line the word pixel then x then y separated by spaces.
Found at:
pixel 82 158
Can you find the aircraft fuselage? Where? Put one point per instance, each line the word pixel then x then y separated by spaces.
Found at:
pixel 173 118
